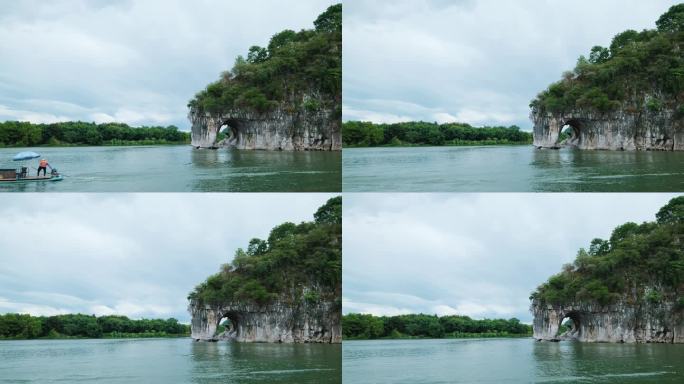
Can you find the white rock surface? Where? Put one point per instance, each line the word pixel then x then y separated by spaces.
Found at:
pixel 626 321
pixel 284 128
pixel 280 322
pixel 628 129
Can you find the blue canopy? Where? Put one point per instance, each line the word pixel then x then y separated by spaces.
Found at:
pixel 28 155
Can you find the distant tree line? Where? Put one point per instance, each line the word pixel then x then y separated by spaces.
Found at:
pixel 23 326
pixel 367 134
pixel 25 134
pixel 363 326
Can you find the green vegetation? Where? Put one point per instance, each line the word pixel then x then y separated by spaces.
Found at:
pixel 361 326
pixel 25 134
pixel 649 62
pixel 367 134
pixel 21 326
pixel 294 257
pixel 308 62
pixel 636 256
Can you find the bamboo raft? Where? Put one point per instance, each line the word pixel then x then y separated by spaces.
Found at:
pixel 12 176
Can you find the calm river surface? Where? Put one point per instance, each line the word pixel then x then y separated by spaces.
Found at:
pixel 509 169
pixel 180 168
pixel 509 361
pixel 166 361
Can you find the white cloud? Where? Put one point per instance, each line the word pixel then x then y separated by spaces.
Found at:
pixel 132 254
pixel 479 255
pixel 7 113
pixel 480 62
pixel 137 62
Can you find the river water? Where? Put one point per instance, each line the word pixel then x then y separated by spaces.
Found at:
pixel 166 361
pixel 509 169
pixel 509 361
pixel 180 168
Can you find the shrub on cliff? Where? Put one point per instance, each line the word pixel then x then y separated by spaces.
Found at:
pixel 636 63
pixel 294 256
pixel 292 64
pixel 635 256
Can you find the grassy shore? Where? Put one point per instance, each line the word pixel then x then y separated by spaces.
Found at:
pixel 456 335
pixel 458 144
pixel 117 143
pixel 113 335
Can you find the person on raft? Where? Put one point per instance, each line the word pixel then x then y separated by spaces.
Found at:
pixel 42 166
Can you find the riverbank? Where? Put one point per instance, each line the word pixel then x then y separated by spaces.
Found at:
pixel 421 326
pixel 367 134
pixel 113 335
pixel 473 143
pixel 458 335
pixel 16 134
pixel 19 326
pixel 109 144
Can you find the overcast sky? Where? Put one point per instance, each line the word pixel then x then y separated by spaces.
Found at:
pixel 137 62
pixel 479 255
pixel 130 254
pixel 473 61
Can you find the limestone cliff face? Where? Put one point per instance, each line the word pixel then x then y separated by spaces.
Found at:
pixel 621 322
pixel 278 322
pixel 629 128
pixel 284 128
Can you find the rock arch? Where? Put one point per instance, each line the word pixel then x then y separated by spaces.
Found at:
pixel 232 331
pixel 575 326
pixel 574 127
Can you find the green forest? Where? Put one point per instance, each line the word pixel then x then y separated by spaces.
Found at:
pixel 293 256
pixel 308 62
pixel 25 134
pixel 23 326
pixel 363 326
pixel 635 256
pixel 644 67
pixel 367 134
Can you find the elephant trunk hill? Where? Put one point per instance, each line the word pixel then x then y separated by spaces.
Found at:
pixel 286 96
pixel 628 96
pixel 286 289
pixel 626 289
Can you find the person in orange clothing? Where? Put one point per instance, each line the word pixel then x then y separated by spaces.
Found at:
pixel 42 166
